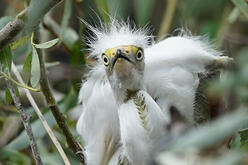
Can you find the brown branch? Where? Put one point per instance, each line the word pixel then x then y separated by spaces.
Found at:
pixel 59 117
pixel 26 122
pixel 10 31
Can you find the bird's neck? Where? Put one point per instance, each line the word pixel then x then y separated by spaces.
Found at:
pixel 123 95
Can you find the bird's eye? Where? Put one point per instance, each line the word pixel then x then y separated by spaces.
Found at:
pixel 139 55
pixel 105 60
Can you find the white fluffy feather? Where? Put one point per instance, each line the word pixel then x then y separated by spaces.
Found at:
pixel 137 141
pixel 115 34
pixel 170 77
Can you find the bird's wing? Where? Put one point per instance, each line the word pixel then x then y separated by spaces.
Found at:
pixel 98 124
pixel 171 72
pixel 142 123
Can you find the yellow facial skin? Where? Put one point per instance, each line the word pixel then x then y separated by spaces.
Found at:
pixel 122 66
pixel 130 49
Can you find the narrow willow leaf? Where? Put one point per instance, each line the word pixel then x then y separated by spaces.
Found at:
pixel 19 42
pixel 35 69
pixel 14 157
pixel 36 11
pixel 48 44
pixel 47 65
pixel 8 97
pixel 65 19
pixel 244 138
pixel 26 70
pixel 16 90
pixel 242 5
pixel 71 36
pixel 6 59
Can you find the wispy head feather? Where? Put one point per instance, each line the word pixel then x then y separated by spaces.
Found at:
pixel 115 33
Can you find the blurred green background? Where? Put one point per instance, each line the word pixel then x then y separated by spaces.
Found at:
pixel 223 22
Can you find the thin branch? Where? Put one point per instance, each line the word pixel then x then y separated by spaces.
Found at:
pixel 10 31
pixel 41 117
pixel 26 122
pixel 13 28
pixel 171 6
pixel 17 83
pixel 59 117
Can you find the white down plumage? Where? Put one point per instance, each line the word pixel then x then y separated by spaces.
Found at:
pixel 122 127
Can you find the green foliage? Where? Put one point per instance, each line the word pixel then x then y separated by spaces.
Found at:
pixel 47 44
pixel 223 21
pixel 26 71
pixel 242 5
pixel 8 97
pixel 65 19
pixel 244 138
pixel 35 68
pixel 21 141
pixel 16 158
pixel 5 59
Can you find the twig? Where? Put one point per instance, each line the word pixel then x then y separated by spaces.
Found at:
pixel 41 117
pixel 13 28
pixel 19 84
pixel 26 122
pixel 59 117
pixel 171 6
pixel 10 31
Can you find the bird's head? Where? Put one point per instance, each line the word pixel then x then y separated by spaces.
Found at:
pixel 124 65
pixel 119 48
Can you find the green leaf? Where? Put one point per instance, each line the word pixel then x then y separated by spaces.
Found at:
pixel 242 5
pixel 19 42
pixel 5 59
pixel 35 69
pixel 65 19
pixel 48 44
pixel 70 34
pixel 26 70
pixel 4 21
pixel 12 157
pixel 36 12
pixel 244 138
pixel 8 97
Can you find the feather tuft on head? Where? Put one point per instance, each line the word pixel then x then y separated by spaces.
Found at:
pixel 115 33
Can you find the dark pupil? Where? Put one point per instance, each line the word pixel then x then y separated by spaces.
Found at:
pixel 139 55
pixel 105 59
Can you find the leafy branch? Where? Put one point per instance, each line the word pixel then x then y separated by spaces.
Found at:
pixel 17 83
pixel 59 117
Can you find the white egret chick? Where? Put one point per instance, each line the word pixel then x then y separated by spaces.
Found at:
pixel 127 95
